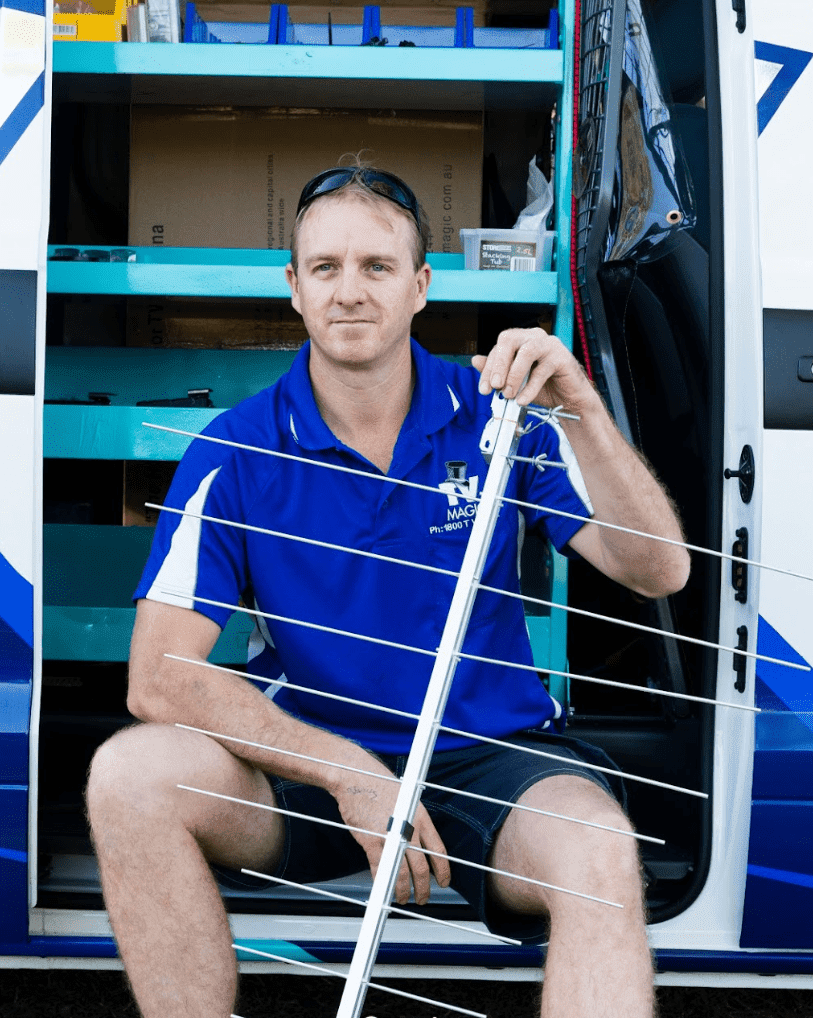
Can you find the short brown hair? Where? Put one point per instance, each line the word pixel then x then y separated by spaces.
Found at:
pixel 358 186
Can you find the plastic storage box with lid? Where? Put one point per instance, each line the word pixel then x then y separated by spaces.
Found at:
pixel 509 250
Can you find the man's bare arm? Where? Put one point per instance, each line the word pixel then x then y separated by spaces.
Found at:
pixel 169 692
pixel 621 487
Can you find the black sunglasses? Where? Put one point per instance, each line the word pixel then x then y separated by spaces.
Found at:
pixel 383 183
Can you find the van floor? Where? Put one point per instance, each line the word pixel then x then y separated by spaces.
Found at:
pixel 69 877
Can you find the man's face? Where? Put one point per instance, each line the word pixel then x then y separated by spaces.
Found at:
pixel 356 286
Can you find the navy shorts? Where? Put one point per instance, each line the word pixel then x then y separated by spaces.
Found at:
pixel 468 827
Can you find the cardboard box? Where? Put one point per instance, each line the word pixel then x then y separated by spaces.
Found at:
pixel 232 177
pixel 145 481
pixel 218 325
pixel 446 328
pixel 250 325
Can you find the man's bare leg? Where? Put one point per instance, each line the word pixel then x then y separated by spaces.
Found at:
pixel 152 842
pixel 598 961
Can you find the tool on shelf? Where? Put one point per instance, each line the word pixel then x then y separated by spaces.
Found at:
pixel 94 399
pixel 193 398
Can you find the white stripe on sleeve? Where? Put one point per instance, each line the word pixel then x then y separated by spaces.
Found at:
pixel 260 636
pixel 574 473
pixel 179 570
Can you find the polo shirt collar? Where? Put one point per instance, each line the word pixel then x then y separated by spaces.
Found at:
pixel 434 401
pixel 304 422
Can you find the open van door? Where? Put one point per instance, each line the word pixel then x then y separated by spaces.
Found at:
pixel 25 133
pixel 779 886
pixel 710 925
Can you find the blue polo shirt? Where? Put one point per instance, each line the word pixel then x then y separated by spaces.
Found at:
pixel 438 446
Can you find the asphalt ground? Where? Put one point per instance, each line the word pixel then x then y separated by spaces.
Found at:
pixel 69 994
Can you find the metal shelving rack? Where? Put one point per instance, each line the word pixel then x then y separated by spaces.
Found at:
pixel 256 75
pixel 218 74
pixel 240 272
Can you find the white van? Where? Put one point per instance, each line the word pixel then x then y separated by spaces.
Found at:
pixel 703 347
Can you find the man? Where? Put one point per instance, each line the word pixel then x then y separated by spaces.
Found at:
pixel 362 396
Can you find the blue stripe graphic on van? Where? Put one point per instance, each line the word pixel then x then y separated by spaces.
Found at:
pixel 26 6
pixel 792 63
pixel 18 121
pixel 793 690
pixel 13 855
pixel 283 948
pixel 779 887
pixel 786 876
pixel 16 602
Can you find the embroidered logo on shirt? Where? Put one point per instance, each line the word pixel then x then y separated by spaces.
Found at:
pixel 461 492
pixel 456 485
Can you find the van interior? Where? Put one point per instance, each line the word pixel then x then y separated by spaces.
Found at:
pixel 653 337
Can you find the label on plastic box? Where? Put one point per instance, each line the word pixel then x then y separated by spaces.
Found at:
pixel 513 256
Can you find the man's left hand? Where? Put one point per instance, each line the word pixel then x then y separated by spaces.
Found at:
pixel 554 376
pixel 622 489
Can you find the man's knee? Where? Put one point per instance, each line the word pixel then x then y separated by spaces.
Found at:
pixel 121 767
pixel 133 792
pixel 596 856
pixel 141 766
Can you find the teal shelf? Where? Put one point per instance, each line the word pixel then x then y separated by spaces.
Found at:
pixel 117 433
pixel 103 634
pixel 229 273
pixel 470 285
pixel 89 575
pixel 88 614
pixel 360 78
pixel 131 374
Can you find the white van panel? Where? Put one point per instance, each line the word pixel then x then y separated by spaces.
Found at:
pixel 17 439
pixel 787 541
pixel 713 920
pixel 785 150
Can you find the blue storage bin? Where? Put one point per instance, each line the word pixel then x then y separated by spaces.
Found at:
pixel 281 30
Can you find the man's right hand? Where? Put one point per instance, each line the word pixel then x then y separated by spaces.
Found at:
pixel 169 691
pixel 368 802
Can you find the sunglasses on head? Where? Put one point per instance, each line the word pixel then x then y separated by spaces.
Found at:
pixel 379 181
